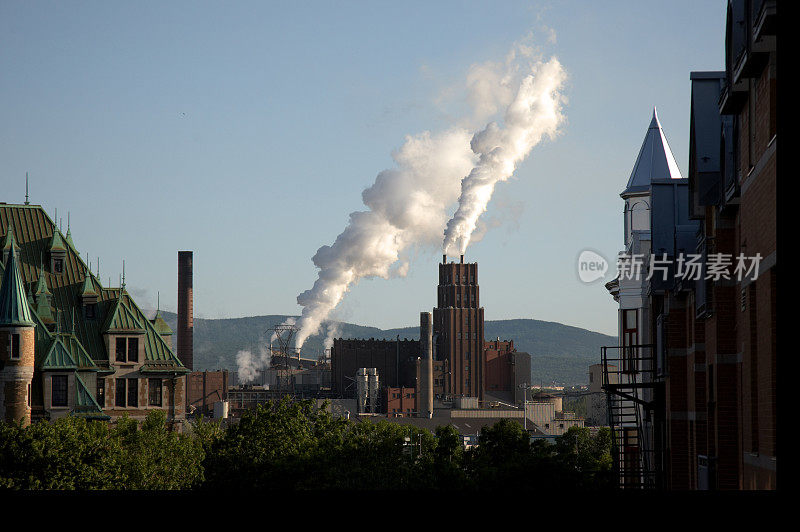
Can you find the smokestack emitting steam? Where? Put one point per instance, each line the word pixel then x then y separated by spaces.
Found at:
pixel 409 205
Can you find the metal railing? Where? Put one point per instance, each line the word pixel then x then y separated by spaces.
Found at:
pixel 629 380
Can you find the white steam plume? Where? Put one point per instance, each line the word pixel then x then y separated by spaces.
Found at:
pixel 334 330
pixel 407 206
pixel 250 364
pixel 534 113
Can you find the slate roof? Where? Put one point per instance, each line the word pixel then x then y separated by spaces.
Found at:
pixel 654 162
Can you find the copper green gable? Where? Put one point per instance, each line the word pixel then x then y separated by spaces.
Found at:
pixel 85 404
pixel 88 287
pixel 82 359
pixel 58 357
pixel 9 240
pixel 161 326
pixel 14 308
pixel 57 243
pixel 41 285
pixel 121 319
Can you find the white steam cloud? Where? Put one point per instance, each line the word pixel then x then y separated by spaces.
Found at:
pixel 250 364
pixel 409 205
pixel 534 113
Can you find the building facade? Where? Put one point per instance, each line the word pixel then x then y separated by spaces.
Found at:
pixel 72 345
pixel 711 414
pixel 458 329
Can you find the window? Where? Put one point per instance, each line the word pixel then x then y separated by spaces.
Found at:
pixel 58 390
pixel 133 392
pixel 29 396
pixel 58 265
pixel 14 346
pixel 121 346
pixel 154 392
pixel 119 393
pixel 630 337
pixel 133 350
pixel 101 392
pixel 90 311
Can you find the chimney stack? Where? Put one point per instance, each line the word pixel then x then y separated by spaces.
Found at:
pixel 444 259
pixel 425 395
pixel 185 310
pixel 462 259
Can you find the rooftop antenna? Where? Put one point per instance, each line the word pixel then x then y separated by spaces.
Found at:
pixel 26 189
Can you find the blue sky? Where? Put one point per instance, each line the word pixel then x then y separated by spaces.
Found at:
pixel 246 132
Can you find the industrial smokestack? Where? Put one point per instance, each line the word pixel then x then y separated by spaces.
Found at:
pixel 425 395
pixel 185 310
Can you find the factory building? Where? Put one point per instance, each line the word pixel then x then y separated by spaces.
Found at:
pixel 458 329
pixel 70 346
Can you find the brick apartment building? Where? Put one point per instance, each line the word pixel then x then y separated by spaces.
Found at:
pixel 706 348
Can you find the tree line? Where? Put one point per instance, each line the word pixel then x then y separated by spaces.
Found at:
pixel 293 445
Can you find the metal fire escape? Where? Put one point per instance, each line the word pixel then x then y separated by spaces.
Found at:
pixel 629 380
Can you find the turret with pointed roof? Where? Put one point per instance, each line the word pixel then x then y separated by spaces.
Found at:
pixel 655 160
pixel 14 309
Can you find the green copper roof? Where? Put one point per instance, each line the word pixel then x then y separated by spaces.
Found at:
pixel 34 232
pixel 42 308
pixel 58 357
pixel 85 405
pixel 121 319
pixel 79 354
pixel 13 300
pixel 57 243
pixel 88 287
pixel 9 240
pixel 161 326
pixel 41 285
pixel 69 238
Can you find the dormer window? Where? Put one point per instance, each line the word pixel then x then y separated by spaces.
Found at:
pixel 90 311
pixel 58 265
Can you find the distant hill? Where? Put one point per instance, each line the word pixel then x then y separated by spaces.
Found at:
pixel 559 353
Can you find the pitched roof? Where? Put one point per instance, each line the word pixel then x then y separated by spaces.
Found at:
pixel 35 231
pixel 85 405
pixel 655 160
pixel 14 309
pixel 88 287
pixel 58 357
pixel 56 242
pixel 121 319
pixel 161 325
pixel 9 239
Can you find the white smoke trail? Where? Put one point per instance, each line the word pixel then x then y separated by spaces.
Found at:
pixel 250 364
pixel 409 205
pixel 534 113
pixel 334 330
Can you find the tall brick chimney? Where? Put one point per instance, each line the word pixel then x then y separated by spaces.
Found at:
pixel 185 310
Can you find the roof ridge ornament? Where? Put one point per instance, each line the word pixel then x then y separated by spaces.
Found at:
pixel 26 189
